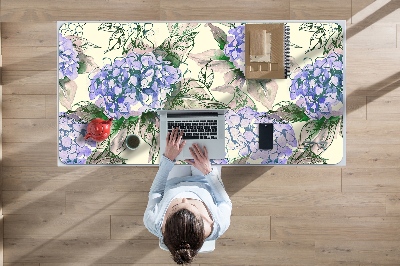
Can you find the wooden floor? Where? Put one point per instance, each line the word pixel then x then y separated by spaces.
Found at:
pixel 281 215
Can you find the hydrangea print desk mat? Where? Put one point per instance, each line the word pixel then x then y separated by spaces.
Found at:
pixel 127 71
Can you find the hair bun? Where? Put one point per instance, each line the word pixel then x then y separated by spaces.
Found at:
pixel 183 255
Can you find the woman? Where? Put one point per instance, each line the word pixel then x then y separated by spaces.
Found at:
pixel 187 204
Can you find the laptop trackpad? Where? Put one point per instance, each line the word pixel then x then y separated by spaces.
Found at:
pixel 186 154
pixel 212 146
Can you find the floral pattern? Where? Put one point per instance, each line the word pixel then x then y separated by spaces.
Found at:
pixel 242 128
pixel 133 85
pixel 234 47
pixel 67 59
pixel 72 147
pixel 318 87
pixel 140 68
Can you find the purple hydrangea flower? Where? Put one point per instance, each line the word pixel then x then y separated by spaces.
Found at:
pixel 67 59
pixel 242 135
pixel 234 49
pixel 133 84
pixel 72 147
pixel 219 161
pixel 318 87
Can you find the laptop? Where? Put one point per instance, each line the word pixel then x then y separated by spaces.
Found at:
pixel 204 127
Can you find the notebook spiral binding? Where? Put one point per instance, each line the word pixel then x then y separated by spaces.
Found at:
pixel 287 50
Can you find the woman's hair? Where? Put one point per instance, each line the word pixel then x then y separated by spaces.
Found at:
pixel 184 235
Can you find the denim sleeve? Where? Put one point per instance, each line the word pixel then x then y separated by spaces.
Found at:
pixel 222 199
pixel 156 194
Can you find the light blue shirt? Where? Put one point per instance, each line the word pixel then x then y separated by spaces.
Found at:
pixel 209 188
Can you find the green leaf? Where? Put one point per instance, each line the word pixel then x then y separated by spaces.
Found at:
pixel 290 112
pixel 341 127
pixel 146 128
pixel 320 131
pixel 325 35
pixel 190 94
pixel 63 81
pixel 127 36
pixel 241 99
pixel 108 26
pixel 206 76
pixel 72 29
pixel 174 59
pixel 81 44
pixel 116 40
pixel 311 129
pixel 231 25
pixel 117 124
pixel 177 46
pixel 123 122
pixel 120 129
pixel 219 35
pixel 237 71
pixel 305 157
pixel 103 155
pixel 181 28
pixel 174 98
pixel 194 103
pixel 88 111
pixel 82 67
pixel 263 91
pixel 139 35
pixel 67 93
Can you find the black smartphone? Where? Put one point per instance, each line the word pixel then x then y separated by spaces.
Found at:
pixel 265 136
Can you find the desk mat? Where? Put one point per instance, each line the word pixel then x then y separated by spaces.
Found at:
pixel 127 71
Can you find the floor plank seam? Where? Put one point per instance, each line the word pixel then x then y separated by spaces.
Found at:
pixel 341 180
pixel 270 227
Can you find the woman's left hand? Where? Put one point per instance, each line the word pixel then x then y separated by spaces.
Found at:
pixel 174 144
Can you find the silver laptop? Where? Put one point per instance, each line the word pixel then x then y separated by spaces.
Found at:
pixel 204 127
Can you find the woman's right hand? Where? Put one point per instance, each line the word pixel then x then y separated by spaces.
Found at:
pixel 200 159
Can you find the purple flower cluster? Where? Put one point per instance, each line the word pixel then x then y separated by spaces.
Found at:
pixel 234 49
pixel 133 84
pixel 242 135
pixel 318 87
pixel 72 147
pixel 67 59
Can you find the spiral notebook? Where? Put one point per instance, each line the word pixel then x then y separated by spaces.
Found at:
pixel 267 51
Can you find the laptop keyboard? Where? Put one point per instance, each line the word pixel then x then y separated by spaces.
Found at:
pixel 196 129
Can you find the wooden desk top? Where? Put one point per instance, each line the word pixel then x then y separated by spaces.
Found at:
pixel 126 71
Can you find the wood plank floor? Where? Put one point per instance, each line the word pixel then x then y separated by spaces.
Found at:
pixel 281 215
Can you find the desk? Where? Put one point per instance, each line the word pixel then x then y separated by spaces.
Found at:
pixel 127 71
